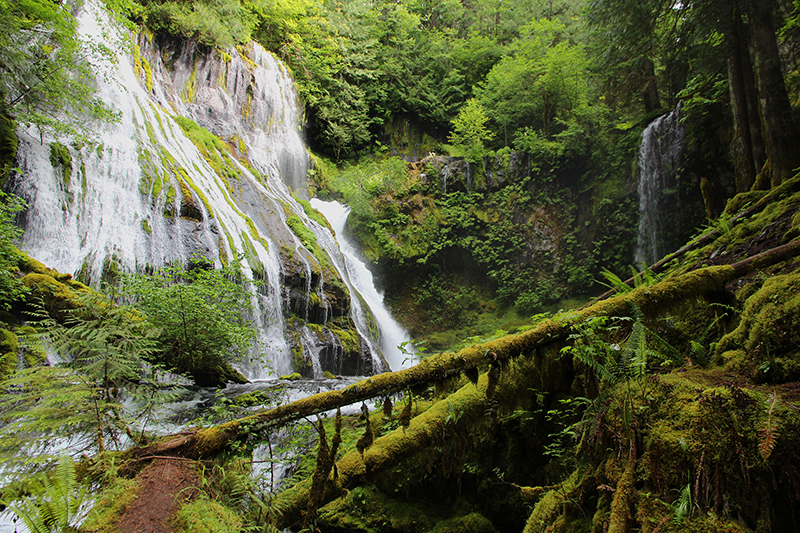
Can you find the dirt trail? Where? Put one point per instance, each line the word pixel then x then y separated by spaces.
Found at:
pixel 164 485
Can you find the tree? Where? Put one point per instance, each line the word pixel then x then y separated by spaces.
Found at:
pixel 541 86
pixel 779 130
pixel 80 401
pixel 202 315
pixel 470 131
pixel 45 69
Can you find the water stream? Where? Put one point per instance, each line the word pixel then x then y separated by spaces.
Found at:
pixel 395 344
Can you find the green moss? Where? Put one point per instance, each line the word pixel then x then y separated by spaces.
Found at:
pixel 146 226
pixel 314 215
pixel 292 377
pixel 190 88
pixel 60 158
pixel 109 506
pixel 370 511
pixel 137 60
pixel 768 331
pixel 249 399
pixel 327 375
pixel 148 74
pixel 214 151
pixel 8 142
pixel 206 516
pixel 471 523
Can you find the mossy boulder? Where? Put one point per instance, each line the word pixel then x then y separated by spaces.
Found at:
pixel 471 523
pixel 768 333
pixel 367 510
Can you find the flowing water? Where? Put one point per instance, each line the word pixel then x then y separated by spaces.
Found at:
pixel 395 343
pixel 658 165
pixel 149 189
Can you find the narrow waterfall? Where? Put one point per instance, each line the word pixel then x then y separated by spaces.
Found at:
pixel 658 166
pixel 156 187
pixel 392 334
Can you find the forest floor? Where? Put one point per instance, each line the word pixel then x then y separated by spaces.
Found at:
pixel 164 485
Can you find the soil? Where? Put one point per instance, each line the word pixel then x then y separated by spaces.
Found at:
pixel 164 485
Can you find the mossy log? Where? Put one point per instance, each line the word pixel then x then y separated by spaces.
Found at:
pixel 651 301
pixel 788 187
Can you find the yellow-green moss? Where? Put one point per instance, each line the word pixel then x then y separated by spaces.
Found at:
pixel 206 516
pixel 190 88
pixel 148 74
pixel 769 330
pixel 549 509
pixel 109 506
pixel 60 158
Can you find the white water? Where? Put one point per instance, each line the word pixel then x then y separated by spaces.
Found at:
pixel 121 205
pixel 392 333
pixel 658 162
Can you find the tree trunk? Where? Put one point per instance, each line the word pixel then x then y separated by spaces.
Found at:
pixel 650 89
pixel 651 300
pixel 780 132
pixel 744 163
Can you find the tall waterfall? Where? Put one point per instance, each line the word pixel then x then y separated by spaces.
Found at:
pixel 658 165
pixel 154 188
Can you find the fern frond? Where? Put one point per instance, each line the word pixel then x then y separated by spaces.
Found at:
pixel 768 432
pixel 613 281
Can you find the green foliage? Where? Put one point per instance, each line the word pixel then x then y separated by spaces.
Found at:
pixel 45 68
pixel 57 502
pixel 219 23
pixel 201 314
pixel 470 131
pixel 11 288
pixel 206 516
pixel 106 347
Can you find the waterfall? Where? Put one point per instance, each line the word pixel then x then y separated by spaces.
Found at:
pixel 154 187
pixel 392 335
pixel 659 164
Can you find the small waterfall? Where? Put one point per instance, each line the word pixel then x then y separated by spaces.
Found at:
pixel 659 163
pixel 392 335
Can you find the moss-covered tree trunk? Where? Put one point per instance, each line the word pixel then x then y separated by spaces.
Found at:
pixel 780 132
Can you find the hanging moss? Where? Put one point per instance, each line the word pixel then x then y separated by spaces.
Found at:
pixel 61 159
pixel 9 352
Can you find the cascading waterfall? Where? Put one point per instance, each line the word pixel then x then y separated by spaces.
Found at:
pixel 154 188
pixel 658 165
pixel 392 334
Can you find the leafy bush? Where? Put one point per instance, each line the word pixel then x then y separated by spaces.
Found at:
pixel 201 314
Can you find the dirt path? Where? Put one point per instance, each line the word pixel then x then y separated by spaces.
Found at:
pixel 164 485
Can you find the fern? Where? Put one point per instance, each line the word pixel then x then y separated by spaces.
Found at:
pixel 768 432
pixel 81 400
pixel 682 507
pixel 61 505
pixel 614 282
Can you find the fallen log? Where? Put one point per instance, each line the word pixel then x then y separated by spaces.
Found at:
pixel 652 301
pixel 789 186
